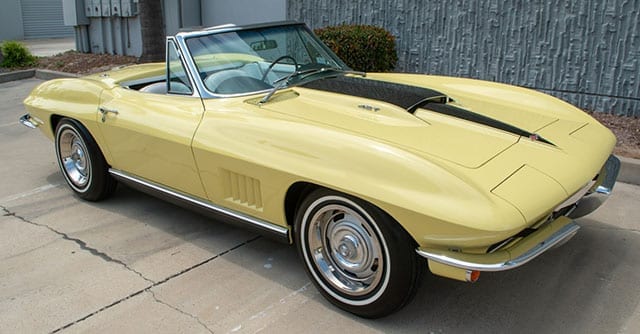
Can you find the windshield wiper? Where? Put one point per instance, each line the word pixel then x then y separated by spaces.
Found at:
pixel 282 82
pixel 279 84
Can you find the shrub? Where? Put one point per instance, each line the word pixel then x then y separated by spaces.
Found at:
pixel 16 55
pixel 362 47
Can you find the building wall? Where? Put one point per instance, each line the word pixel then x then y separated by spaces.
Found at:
pixel 25 19
pixel 181 15
pixel 216 12
pixel 115 35
pixel 11 20
pixel 44 19
pixel 108 33
pixel 586 52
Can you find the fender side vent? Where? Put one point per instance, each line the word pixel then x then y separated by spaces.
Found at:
pixel 242 189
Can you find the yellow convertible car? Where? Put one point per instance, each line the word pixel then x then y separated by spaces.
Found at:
pixel 373 176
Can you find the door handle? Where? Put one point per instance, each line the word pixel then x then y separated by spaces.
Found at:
pixel 104 111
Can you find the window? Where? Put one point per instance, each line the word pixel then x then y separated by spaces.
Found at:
pixel 253 60
pixel 177 79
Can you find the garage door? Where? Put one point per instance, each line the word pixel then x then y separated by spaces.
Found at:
pixel 43 19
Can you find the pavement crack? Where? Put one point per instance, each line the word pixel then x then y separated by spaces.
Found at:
pixel 82 244
pixel 167 279
pixel 180 311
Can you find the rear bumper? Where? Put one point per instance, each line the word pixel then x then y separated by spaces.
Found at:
pixel 525 250
pixel 30 121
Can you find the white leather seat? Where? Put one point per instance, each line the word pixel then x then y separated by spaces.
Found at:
pixel 214 80
pixel 161 88
pixel 155 88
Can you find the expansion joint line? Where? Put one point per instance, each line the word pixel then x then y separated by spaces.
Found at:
pixel 106 257
pixel 167 279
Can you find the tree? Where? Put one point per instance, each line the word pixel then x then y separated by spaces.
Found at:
pixel 152 29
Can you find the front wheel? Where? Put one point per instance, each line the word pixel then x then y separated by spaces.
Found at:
pixel 358 257
pixel 81 162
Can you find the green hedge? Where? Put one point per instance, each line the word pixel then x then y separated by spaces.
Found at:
pixel 16 55
pixel 362 47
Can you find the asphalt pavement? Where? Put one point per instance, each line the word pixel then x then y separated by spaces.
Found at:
pixel 136 264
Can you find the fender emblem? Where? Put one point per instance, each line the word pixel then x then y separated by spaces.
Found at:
pixel 534 137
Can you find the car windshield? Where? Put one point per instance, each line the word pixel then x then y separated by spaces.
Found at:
pixel 257 60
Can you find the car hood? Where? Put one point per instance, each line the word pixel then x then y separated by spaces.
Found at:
pixel 377 112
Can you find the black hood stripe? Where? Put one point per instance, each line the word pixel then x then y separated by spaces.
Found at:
pixel 404 96
pixel 410 98
pixel 449 110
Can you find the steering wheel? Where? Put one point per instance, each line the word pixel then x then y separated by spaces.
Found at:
pixel 295 63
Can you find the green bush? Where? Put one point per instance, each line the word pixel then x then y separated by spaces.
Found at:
pixel 16 55
pixel 362 47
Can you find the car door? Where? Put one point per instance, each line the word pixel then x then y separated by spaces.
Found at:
pixel 149 134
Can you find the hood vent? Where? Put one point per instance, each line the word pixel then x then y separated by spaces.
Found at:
pixel 404 96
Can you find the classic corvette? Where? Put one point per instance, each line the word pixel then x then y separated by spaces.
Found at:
pixel 373 176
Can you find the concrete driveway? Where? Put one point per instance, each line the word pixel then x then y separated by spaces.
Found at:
pixel 47 47
pixel 136 264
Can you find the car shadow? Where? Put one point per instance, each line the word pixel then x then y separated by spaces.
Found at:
pixel 589 284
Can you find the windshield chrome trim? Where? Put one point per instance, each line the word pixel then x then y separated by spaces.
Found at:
pixel 190 66
pixel 231 27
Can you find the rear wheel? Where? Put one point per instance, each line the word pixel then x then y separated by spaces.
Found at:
pixel 357 255
pixel 81 162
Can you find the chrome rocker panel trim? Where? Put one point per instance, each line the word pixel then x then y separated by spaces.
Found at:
pixel 226 215
pixel 448 257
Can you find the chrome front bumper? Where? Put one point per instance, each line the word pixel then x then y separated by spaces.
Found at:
pixel 560 230
pixel 525 250
pixel 600 191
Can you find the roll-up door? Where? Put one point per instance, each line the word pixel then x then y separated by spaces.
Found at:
pixel 43 19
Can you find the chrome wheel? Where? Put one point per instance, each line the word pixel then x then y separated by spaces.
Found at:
pixel 74 158
pixel 356 254
pixel 346 250
pixel 81 161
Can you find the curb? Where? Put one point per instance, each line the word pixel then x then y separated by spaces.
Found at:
pixel 37 73
pixel 48 75
pixel 629 171
pixel 629 167
pixel 17 75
